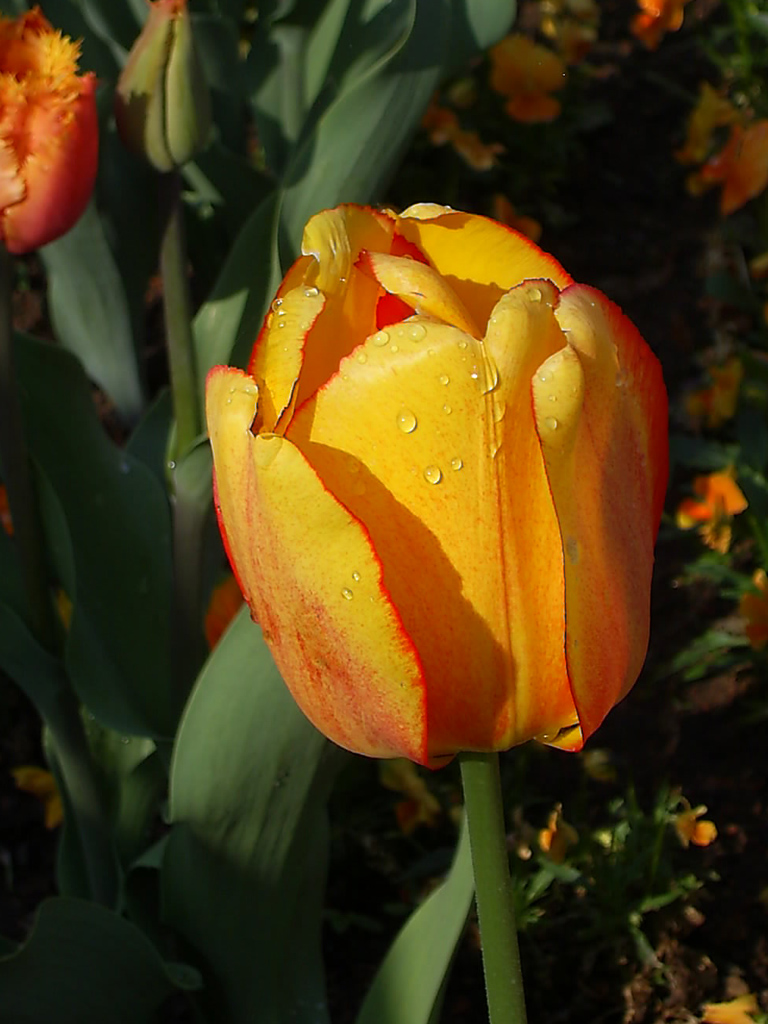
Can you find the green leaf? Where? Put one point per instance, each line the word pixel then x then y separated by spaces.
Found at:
pixel 109 533
pixel 411 977
pixel 385 104
pixel 83 963
pixel 476 25
pixel 226 326
pixel 243 874
pixel 90 312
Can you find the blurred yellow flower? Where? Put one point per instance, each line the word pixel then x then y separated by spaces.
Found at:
pixel 741 1010
pixel 558 837
pixel 754 608
pixel 711 111
pixel 421 806
pixel 690 830
pixel 656 18
pixel 719 499
pixel 741 167
pixel 442 125
pixel 716 404
pixel 571 25
pixel 526 74
pixel 505 212
pixel 41 783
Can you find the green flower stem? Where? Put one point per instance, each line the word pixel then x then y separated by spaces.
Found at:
pixel 17 474
pixel 495 907
pixel 178 313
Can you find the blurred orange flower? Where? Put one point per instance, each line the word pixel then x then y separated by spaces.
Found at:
pixel 526 74
pixel 741 1010
pixel 719 500
pixel 225 603
pixel 505 212
pixel 558 837
pixel 5 512
pixel 690 830
pixel 656 18
pixel 421 806
pixel 716 404
pixel 41 783
pixel 442 125
pixel 711 111
pixel 754 608
pixel 48 133
pixel 741 167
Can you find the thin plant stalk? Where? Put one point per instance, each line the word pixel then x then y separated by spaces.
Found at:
pixel 495 905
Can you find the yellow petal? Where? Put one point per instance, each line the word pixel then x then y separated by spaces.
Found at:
pixel 315 586
pixel 422 288
pixel 434 449
pixel 461 245
pixel 601 415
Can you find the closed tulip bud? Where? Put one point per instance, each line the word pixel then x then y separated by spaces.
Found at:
pixel 49 133
pixel 439 484
pixel 162 104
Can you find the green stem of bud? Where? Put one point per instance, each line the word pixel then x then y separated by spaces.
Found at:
pixel 178 314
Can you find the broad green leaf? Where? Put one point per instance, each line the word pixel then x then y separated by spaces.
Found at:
pixel 149 441
pixel 357 143
pixel 110 542
pixel 411 977
pixel 83 964
pixel 476 25
pixel 90 312
pixel 243 874
pixel 226 326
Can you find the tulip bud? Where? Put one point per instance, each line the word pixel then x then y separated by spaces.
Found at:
pixel 162 105
pixel 49 133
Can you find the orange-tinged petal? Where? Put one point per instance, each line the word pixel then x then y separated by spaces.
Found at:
pixel 601 415
pixel 224 604
pixel 316 586
pixel 741 166
pixel 421 287
pixel 480 259
pixel 741 1010
pixel 455 498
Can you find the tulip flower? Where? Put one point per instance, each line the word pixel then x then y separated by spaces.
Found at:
pixel 439 484
pixel 48 133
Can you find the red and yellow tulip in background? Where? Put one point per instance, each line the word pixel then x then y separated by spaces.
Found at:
pixel 439 484
pixel 48 133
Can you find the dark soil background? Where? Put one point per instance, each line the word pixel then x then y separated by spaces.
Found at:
pixel 633 232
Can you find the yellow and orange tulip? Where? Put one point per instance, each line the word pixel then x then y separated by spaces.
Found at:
pixel 439 484
pixel 48 133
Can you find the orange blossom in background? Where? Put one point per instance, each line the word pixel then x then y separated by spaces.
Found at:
pixel 48 133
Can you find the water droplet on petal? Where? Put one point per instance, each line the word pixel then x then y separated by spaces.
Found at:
pixel 406 421
pixel 311 292
pixel 456 463
pixel 417 332
pixel 552 398
pixel 347 594
pixel 534 294
pixel 462 345
pixel 444 378
pixel 551 423
pixel 380 339
pixel 433 475
pixel 277 304
pixel 356 577
pixel 395 348
pixel 447 410
pixel 544 376
pixel 362 357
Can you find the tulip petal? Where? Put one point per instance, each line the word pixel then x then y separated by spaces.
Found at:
pixel 600 410
pixel 335 238
pixel 461 244
pixel 315 587
pixel 421 287
pixel 455 467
